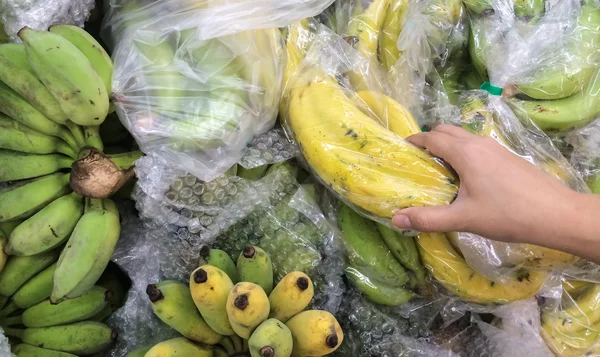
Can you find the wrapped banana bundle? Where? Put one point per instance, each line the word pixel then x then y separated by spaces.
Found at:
pixel 584 155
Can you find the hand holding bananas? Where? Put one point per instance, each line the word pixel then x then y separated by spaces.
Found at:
pixel 505 198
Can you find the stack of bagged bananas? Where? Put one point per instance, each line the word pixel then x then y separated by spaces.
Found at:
pixel 235 309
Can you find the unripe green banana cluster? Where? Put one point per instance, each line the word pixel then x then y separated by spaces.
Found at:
pixel 235 309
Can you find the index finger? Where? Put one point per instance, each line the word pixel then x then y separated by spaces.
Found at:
pixel 437 143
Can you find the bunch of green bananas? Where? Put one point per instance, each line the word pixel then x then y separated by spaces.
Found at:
pixel 235 309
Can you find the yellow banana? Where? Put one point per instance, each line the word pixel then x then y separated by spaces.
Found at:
pixel 575 287
pixel 247 307
pixel 315 333
pixel 390 113
pixel 364 29
pixel 210 287
pixel 292 295
pixel 179 347
pixel 584 313
pixel 394 21
pixel 452 271
pixel 359 159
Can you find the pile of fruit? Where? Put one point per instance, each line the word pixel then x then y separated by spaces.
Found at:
pixel 235 309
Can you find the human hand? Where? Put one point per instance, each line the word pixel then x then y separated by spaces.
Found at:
pixel 501 196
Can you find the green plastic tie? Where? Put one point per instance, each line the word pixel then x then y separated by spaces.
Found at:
pixel 486 86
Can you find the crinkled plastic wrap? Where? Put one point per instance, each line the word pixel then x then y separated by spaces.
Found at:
pixel 338 113
pixel 197 81
pixel 4 345
pixel 41 14
pixel 585 155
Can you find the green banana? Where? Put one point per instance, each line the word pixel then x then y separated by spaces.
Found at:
pixel 24 198
pixel 365 248
pixel 238 343
pixel 77 309
pixel 77 132
pixel 68 75
pixel 48 228
pixel 219 351
pixel 254 266
pixel 272 338
pixel 3 300
pixel 17 166
pixel 220 259
pixel 16 73
pixel 92 137
pixel 35 290
pixel 478 47
pixel 111 281
pixel 88 250
pixel 404 250
pixel 81 338
pixel 9 226
pixel 94 52
pixel 18 137
pixel 529 10
pixel 18 270
pixel 252 174
pixel 227 344
pixel 24 350
pixel 480 7
pixel 172 302
pixel 375 291
pixel 18 108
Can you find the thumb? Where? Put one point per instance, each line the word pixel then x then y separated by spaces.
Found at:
pixel 429 219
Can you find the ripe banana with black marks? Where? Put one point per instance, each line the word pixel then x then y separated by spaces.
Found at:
pixel 292 295
pixel 68 75
pixel 210 287
pixel 35 290
pixel 19 270
pixel 404 249
pixel 92 137
pixel 315 333
pixel 25 350
pixel 172 302
pixel 247 307
pixel 377 291
pixel 394 21
pixel 179 347
pixel 91 49
pixel 18 137
pixel 24 198
pixel 271 339
pixel 254 266
pixel 48 228
pixel 19 166
pixel 451 270
pixel 88 250
pixel 360 160
pixel 16 73
pixel 220 259
pixel 81 338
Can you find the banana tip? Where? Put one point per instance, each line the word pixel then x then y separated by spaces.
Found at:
pixel 249 252
pixel 154 293
pixel 302 283
pixel 22 30
pixel 332 340
pixel 241 302
pixel 200 276
pixel 267 351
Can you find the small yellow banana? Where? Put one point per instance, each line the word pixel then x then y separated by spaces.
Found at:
pixel 394 21
pixel 291 295
pixel 210 287
pixel 575 287
pixel 247 307
pixel 585 313
pixel 315 333
pixel 390 113
pixel 179 347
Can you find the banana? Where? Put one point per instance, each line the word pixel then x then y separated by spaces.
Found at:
pixel 18 270
pixel 210 287
pixel 575 287
pixel 449 268
pixel 376 291
pixel 227 344
pixel 24 350
pixel 82 338
pixel 9 226
pixel 219 351
pixel 365 28
pixel 173 304
pixel 220 259
pixel 559 348
pixel 91 49
pixel 18 137
pixel 580 340
pixel 77 309
pixel 238 343
pixel 68 75
pixel 478 46
pixel 247 307
pixel 17 107
pixel 315 333
pixel 252 174
pixel 360 160
pixel 254 266
pixel 3 255
pixel 271 339
pixel 390 113
pixel 16 73
pixel 35 290
pixel 110 280
pixel 365 248
pixel 77 132
pixel 404 249
pixel 585 312
pixel 24 198
pixel 292 295
pixel 179 347
pixel 139 352
pixel 480 7
pixel 88 250
pixel 529 10
pixel 92 137
pixel 48 228
pixel 18 166
pixel 392 26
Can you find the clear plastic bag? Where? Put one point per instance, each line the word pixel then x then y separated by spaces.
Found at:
pixel 585 155
pixel 195 82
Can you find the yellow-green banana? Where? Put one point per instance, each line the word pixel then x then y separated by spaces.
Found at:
pixel 252 174
pixel 220 259
pixel 404 249
pixel 478 46
pixel 210 287
pixel 68 75
pixel 9 226
pixel 377 291
pixel 292 295
pixel 24 198
pixel 315 333
pixel 77 132
pixel 24 350
pixel 18 270
pixel 139 352
pixel 179 347
pixel 271 339
pixel 48 228
pixel 19 166
pixel 88 250
pixel 92 137
pixel 94 52
pixel 247 307
pixel 35 289
pixel 254 265
pixel 81 338
pixel 172 303
pixel 393 23
pixel 16 73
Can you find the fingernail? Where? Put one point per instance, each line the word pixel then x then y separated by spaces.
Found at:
pixel 401 221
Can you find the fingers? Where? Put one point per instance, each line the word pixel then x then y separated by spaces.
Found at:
pixel 437 143
pixel 431 219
